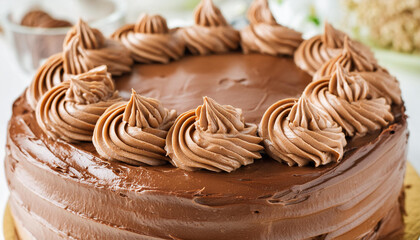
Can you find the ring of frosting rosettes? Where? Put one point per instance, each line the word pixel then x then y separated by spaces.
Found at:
pixel 351 95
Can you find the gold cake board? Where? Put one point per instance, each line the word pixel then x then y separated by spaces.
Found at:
pixel 412 206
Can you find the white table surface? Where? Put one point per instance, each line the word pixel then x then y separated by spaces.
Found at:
pixel 13 82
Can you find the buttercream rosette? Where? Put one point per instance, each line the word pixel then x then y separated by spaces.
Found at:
pixel 382 84
pixel 316 51
pixel 85 48
pixel 265 35
pixel 70 110
pixel 297 132
pixel 345 98
pixel 213 137
pixel 50 74
pixel 134 132
pixel 211 32
pixel 351 58
pixel 150 40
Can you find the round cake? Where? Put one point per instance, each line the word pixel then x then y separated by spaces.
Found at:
pixel 208 132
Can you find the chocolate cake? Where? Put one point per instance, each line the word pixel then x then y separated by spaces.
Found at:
pixel 208 132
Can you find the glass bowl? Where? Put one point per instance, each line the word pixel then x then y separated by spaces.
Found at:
pixel 33 45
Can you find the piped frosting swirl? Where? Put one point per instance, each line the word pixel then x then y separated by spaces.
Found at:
pixel 211 33
pixel 50 74
pixel 85 48
pixel 70 110
pixel 299 133
pixel 382 84
pixel 351 58
pixel 213 137
pixel 150 40
pixel 265 35
pixel 134 132
pixel 314 52
pixel 344 97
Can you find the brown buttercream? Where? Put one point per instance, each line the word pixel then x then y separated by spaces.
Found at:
pixel 265 35
pixel 50 74
pixel 85 48
pixel 351 58
pixel 39 18
pixel 150 40
pixel 70 110
pixel 264 200
pixel 211 33
pixel 298 133
pixel 213 137
pixel 344 97
pixel 383 84
pixel 134 132
pixel 316 51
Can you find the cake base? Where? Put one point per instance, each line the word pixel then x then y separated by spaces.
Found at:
pixel 412 218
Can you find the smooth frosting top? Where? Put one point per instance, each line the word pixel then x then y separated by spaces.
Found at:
pixel 70 110
pixel 265 35
pixel 134 132
pixel 150 40
pixel 213 137
pixel 211 32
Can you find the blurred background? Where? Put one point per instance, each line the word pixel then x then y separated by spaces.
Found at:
pixel 391 28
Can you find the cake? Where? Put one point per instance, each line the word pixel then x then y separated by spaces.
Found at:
pixel 208 132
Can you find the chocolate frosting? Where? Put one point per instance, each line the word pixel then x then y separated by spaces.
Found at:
pixel 226 78
pixel 150 40
pixel 316 51
pixel 351 58
pixel 298 133
pixel 85 48
pixel 263 200
pixel 382 84
pixel 344 98
pixel 211 33
pixel 70 110
pixel 39 18
pixel 134 132
pixel 265 35
pixel 50 74
pixel 213 137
